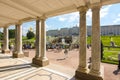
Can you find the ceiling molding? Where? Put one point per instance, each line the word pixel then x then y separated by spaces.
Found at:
pixel 79 3
pixel 1 25
pixel 17 21
pixel 28 7
pixel 62 10
pixel 7 18
pixel 15 6
pixel 109 2
pixel 26 20
pixel 94 1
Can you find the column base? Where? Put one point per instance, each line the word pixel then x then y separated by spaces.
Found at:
pixel 39 62
pixel 87 76
pixel 81 75
pixel 17 55
pixel 5 51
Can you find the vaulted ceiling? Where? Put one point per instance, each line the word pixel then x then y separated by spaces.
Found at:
pixel 14 11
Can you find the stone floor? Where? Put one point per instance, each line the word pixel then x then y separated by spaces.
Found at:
pixel 22 69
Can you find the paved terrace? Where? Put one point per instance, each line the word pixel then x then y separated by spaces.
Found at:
pixel 21 68
pixel 14 12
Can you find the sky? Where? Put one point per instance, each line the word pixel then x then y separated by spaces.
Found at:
pixel 109 15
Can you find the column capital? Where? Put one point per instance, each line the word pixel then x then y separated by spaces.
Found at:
pixel 43 17
pixel 82 8
pixel 96 6
pixel 19 23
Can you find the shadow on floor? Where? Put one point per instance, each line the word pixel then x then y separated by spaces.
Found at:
pixel 60 59
pixel 116 72
pixel 5 57
pixel 15 67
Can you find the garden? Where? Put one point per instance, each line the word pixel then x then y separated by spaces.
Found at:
pixel 110 53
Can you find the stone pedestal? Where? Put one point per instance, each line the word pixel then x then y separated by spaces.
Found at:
pixel 39 62
pixel 17 55
pixel 5 51
pixel 40 58
pixel 87 76
pixel 81 75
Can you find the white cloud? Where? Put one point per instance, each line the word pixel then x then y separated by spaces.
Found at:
pixel 24 30
pixel 89 14
pixel 69 17
pixel 62 18
pixel 48 27
pixel 104 11
pixel 117 20
pixel 119 15
pixel 75 16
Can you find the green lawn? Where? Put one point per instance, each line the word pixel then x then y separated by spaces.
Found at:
pixel 107 39
pixel 111 56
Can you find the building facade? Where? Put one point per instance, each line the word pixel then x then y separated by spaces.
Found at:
pixel 105 30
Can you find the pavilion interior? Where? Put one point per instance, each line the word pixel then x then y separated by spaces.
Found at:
pixel 17 12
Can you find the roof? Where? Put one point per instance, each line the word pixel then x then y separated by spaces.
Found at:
pixel 14 11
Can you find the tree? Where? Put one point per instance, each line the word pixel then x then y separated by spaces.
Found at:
pixel 1 36
pixel 30 34
pixel 12 33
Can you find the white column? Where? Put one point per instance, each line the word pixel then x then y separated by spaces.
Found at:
pixel 43 40
pixel 15 47
pixel 37 43
pixel 6 41
pixel 18 42
pixel 19 39
pixel 95 53
pixel 40 57
pixel 82 50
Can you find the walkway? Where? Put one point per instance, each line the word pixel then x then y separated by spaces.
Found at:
pixel 21 69
pixel 110 71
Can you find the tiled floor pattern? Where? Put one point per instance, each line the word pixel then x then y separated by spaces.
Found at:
pixel 19 69
pixel 43 74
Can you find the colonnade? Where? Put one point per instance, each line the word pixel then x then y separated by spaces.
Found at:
pixel 82 73
pixel 40 56
pixel 95 70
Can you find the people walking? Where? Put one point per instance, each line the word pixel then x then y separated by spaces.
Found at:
pixel 119 61
pixel 66 53
pixel 102 50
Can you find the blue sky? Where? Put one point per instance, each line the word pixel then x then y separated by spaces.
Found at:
pixel 109 15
